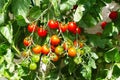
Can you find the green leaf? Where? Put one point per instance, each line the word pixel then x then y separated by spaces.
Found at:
pixel 2 18
pixel 56 7
pixel 86 72
pixel 79 13
pixel 89 20
pixel 3 49
pixel 71 67
pixel 116 70
pixel 68 5
pixel 91 63
pixel 1 59
pixel 110 30
pixel 20 20
pixel 112 55
pixel 94 55
pixel 9 56
pixel 20 7
pixel 4 5
pixel 117 57
pixel 97 41
pixel 7 32
pixel 34 13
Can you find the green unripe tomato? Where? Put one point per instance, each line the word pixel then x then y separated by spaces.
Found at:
pixel 35 58
pixel 33 66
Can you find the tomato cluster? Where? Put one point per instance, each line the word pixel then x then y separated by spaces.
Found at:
pixel 56 47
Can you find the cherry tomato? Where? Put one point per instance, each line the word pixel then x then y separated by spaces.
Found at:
pixel 37 49
pixel 72 52
pixel 55 57
pixel 31 27
pixel 45 59
pixel 33 66
pixel 78 31
pixel 55 40
pixel 25 54
pixel 103 24
pixel 63 28
pixel 27 41
pixel 42 32
pixel 35 58
pixel 67 44
pixel 113 15
pixel 72 27
pixel 53 24
pixel 53 48
pixel 78 43
pixel 59 50
pixel 78 60
pixel 45 49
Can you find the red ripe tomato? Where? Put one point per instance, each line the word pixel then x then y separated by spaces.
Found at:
pixel 72 27
pixel 113 15
pixel 37 49
pixel 53 24
pixel 31 27
pixel 72 52
pixel 78 30
pixel 103 24
pixel 42 32
pixel 55 40
pixel 45 49
pixel 27 41
pixel 63 28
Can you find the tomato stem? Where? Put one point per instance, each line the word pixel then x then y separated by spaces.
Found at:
pixel 16 49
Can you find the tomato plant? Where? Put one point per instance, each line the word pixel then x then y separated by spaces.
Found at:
pixel 59 39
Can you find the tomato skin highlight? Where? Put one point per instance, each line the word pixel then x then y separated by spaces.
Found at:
pixel 72 27
pixel 42 32
pixel 53 24
pixel 55 40
pixel 113 15
pixel 31 28
pixel 72 52
pixel 37 49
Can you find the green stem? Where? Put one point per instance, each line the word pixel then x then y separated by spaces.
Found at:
pixel 13 46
